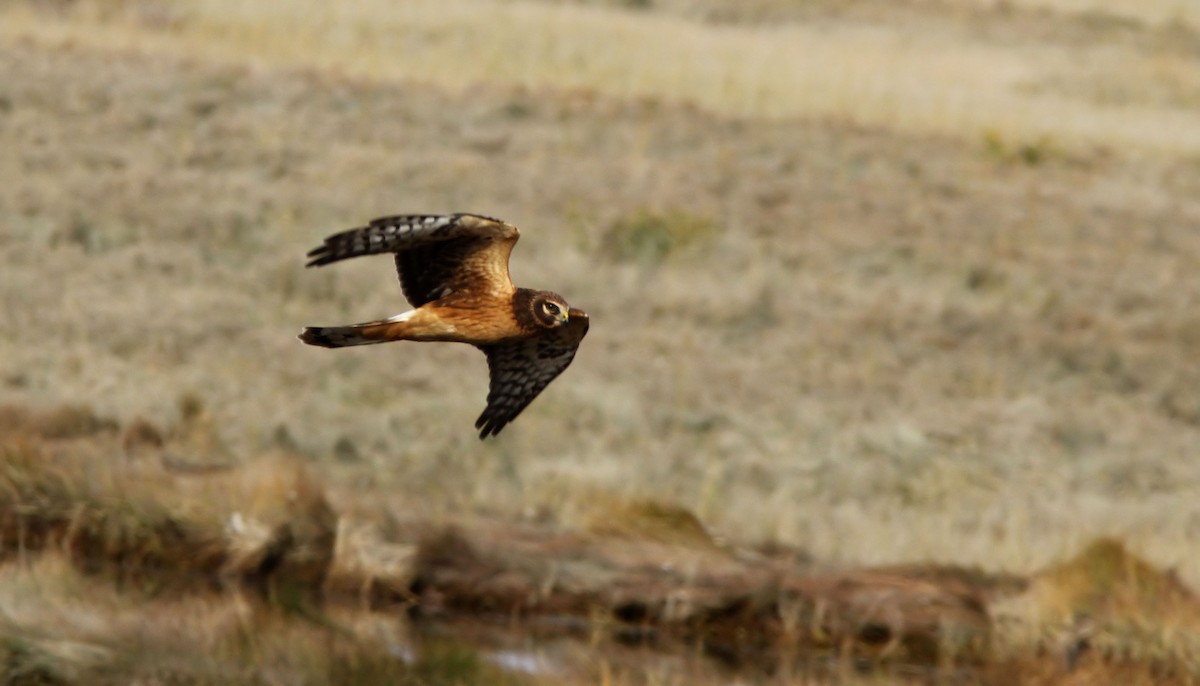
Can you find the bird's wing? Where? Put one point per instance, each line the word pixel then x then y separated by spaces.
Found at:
pixel 436 254
pixel 520 370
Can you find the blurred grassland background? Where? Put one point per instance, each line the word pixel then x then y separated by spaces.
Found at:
pixel 887 281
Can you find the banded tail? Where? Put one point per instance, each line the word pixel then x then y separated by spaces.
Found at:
pixel 391 329
pixel 345 336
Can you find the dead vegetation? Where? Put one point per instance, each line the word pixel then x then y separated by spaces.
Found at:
pixel 929 68
pixel 113 500
pixel 111 556
pixel 895 305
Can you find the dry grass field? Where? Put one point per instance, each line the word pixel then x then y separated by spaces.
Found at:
pixel 885 282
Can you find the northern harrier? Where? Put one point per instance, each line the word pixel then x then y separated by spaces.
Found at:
pixel 454 270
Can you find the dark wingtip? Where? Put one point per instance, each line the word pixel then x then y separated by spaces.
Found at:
pixel 489 426
pixel 318 256
pixel 323 254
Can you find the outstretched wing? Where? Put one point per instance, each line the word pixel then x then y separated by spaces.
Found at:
pixel 436 254
pixel 520 370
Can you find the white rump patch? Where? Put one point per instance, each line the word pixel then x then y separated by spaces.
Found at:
pixel 402 317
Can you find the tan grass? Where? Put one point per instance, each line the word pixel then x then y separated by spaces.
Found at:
pixel 649 520
pixel 79 511
pixel 131 514
pixel 1153 12
pixel 870 75
pixel 1106 605
pixel 75 498
pixel 60 627
pixel 894 348
pixel 1098 13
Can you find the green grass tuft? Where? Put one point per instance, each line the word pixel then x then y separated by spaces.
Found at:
pixel 650 237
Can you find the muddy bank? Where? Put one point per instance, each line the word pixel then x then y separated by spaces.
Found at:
pixel 117 502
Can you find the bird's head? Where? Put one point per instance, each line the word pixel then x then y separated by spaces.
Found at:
pixel 550 310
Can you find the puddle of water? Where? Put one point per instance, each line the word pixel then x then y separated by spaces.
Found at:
pixel 523 662
pixel 573 650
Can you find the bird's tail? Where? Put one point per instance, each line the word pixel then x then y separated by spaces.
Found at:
pixel 344 336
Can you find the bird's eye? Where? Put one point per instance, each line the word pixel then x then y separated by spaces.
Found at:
pixel 550 309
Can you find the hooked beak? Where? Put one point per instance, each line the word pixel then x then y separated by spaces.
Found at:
pixel 578 320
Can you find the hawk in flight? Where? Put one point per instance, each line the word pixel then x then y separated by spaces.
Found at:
pixel 454 270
